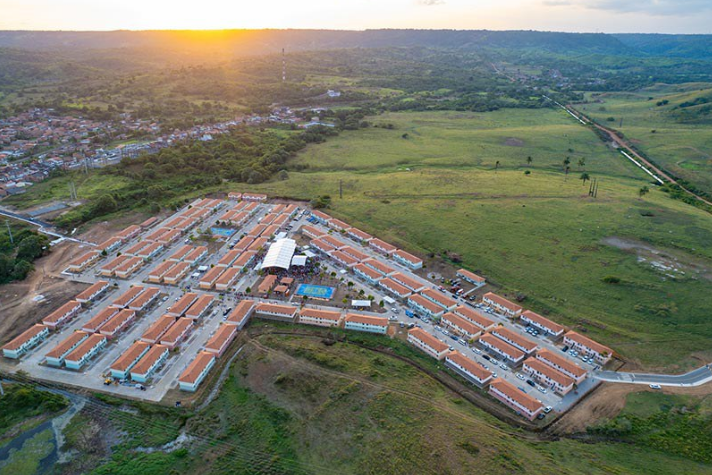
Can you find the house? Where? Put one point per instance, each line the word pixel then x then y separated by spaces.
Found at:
pixel 152 250
pixel 62 315
pixel 520 402
pixel 514 339
pixel 108 269
pixel 258 244
pixel 127 297
pixel 129 233
pixel 92 292
pixel 561 364
pixel 146 298
pixel 159 272
pixel 176 273
pixel 474 317
pixel 25 341
pixel 229 258
pixel 258 197
pixel 126 269
pixel 366 323
pixel 548 376
pixel 368 274
pixel 241 314
pixel 501 305
pixel 82 262
pixel 600 353
pixel 158 329
pixel 196 372
pixel 56 356
pixel 121 368
pixel 407 282
pixel 322 318
pixel 382 246
pixel 244 260
pixel 468 369
pixel 320 217
pixel 208 280
pixel 312 232
pixel 234 196
pixel 201 306
pixel 181 253
pixel 338 225
pixel 428 343
pixel 149 222
pixel 358 235
pixel 218 343
pixel 343 259
pixel 280 312
pixel 227 279
pixel 85 351
pixel 424 306
pixel 393 287
pixel 182 304
pixel 177 333
pixel 244 243
pixel 149 363
pixel 354 253
pixel 460 325
pixel 380 267
pixel 501 348
pixel 440 299
pixel 96 322
pixel 321 245
pixel 117 323
pixel 407 259
pixel 333 242
pixel 543 324
pixel 196 255
pixel 110 244
pixel 471 277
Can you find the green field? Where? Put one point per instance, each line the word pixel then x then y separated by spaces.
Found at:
pixel 537 234
pixel 682 138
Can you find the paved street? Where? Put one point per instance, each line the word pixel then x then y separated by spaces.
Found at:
pixel 696 377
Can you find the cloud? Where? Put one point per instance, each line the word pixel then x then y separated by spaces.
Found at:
pixel 430 3
pixel 651 7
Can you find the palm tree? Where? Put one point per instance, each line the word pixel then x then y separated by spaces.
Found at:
pixel 643 191
pixel 496 166
pixel 581 162
pixel 566 172
pixel 529 160
pixel 567 161
pixel 584 177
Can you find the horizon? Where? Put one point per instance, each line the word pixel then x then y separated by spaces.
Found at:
pixel 569 16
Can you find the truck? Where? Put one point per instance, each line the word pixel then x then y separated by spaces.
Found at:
pixel 409 313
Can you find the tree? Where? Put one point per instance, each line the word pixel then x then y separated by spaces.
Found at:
pixel 567 161
pixel 643 191
pixel 529 160
pixel 30 248
pixel 496 166
pixel 582 162
pixel 584 177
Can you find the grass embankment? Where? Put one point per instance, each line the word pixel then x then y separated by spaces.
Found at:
pixel 294 405
pixel 676 138
pixel 538 234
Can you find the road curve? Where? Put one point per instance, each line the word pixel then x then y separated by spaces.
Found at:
pixel 696 377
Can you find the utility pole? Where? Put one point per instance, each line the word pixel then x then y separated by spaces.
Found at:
pixel 341 189
pixel 284 67
pixel 621 123
pixel 9 231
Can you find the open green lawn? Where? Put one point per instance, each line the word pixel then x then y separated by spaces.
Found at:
pixel 537 234
pixel 683 148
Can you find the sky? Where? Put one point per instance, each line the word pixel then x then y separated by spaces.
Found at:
pixel 608 16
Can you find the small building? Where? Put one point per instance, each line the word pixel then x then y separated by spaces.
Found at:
pixel 92 292
pixel 229 258
pixel 117 323
pixel 149 363
pixel 227 279
pixel 428 343
pixel 241 314
pixel 145 299
pixel 121 368
pixel 110 244
pixel 25 341
pixel 548 376
pixel 520 402
pixel 154 333
pixel 471 277
pixel 56 356
pixel 543 324
pixel 156 275
pixel 354 253
pixel 474 317
pixel 218 343
pixel 266 285
pixel 100 319
pixel 406 281
pixel 181 253
pixel 394 288
pixel 382 246
pixel 407 259
pixel 62 315
pixel 85 352
pixel 320 216
pixel 322 318
pixel 176 273
pixel 201 307
pixel 208 280
pixel 109 268
pixel 258 197
pixel 338 225
pixel 502 305
pixel 501 348
pixel 127 297
pixel 358 235
pixel 196 372
pixel 177 333
pixel 461 326
pixel 83 262
pixel 380 267
pixel 278 312
pixel 425 307
pixel 343 258
pixel 584 345
pixel 245 259
pixel 312 232
pixel 368 274
pixel 468 369
pixel 438 298
pixel 515 339
pixel 126 270
pixel 563 365
pixel 196 255
pixel 366 323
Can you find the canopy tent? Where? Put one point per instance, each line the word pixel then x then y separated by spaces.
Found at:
pixel 280 254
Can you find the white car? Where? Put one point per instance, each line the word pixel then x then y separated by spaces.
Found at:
pixel 541 389
pixel 521 376
pixel 547 409
pixel 655 386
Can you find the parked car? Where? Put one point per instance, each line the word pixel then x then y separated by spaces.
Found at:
pixel 548 409
pixel 565 349
pixel 541 389
pixel 504 367
pixel 655 386
pixel 520 376
pixel 531 383
pixel 487 357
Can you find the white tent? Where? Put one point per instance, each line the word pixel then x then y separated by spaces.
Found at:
pixel 300 261
pixel 280 254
